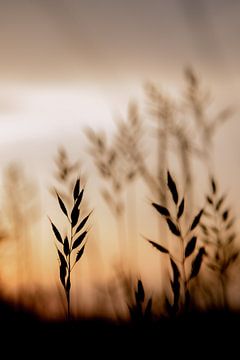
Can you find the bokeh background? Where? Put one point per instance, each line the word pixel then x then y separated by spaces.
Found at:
pixel 66 65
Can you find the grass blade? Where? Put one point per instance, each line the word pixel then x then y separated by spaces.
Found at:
pixel 158 247
pixel 197 262
pixel 225 215
pixel 173 228
pixel 62 259
pixel 176 272
pixel 82 223
pixel 79 240
pixel 75 215
pixel 80 253
pixel 190 246
pixel 62 205
pixel 214 187
pixel 161 209
pixel 140 294
pixel 172 187
pixel 180 209
pixel 56 233
pixel 66 246
pixel 76 190
pixel 63 273
pixel 196 220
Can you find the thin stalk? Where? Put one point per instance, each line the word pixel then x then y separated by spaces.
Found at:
pixel 67 245
pixel 68 305
pixel 162 165
pixel 183 258
pixel 175 259
pixel 69 274
pixel 185 282
pixel 218 225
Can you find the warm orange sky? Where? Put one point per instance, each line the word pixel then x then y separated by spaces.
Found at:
pixel 69 63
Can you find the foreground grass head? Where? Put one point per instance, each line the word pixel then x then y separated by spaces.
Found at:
pixel 71 247
pixel 189 249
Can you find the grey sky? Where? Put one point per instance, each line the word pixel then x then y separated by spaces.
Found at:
pixel 104 39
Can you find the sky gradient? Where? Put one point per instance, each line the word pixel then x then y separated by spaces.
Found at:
pixel 70 40
pixel 66 64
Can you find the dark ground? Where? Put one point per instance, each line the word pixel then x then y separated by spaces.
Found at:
pixel 214 334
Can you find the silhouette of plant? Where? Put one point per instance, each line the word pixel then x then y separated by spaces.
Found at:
pixel 129 141
pixel 187 127
pixel 65 173
pixel 181 276
pixel 73 244
pixel 219 237
pixel 115 162
pixel 141 310
pixel 109 166
pixel 198 102
pixel 162 111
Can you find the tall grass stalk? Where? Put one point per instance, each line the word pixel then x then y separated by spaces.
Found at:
pixel 73 244
pixel 219 236
pixel 181 276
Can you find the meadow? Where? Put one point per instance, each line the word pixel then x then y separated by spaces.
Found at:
pixel 169 261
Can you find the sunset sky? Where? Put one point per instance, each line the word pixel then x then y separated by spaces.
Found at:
pixel 72 62
pixel 66 64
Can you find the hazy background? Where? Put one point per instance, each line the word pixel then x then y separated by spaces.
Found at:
pixel 71 62
pixel 67 64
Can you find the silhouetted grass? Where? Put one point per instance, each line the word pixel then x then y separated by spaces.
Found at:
pixel 119 163
pixel 188 248
pixel 74 242
pixel 219 237
pixel 142 308
pixel 210 333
